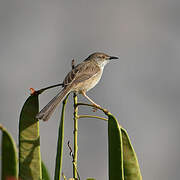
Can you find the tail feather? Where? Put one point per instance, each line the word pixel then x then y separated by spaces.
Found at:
pixel 47 111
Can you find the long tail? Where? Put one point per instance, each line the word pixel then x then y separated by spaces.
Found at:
pixel 47 111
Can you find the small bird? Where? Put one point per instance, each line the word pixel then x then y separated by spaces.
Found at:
pixel 81 79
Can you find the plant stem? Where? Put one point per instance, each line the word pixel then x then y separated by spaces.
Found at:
pixel 49 87
pixel 91 116
pixel 75 175
pixel 91 105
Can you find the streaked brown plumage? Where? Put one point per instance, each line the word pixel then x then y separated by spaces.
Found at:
pixel 81 79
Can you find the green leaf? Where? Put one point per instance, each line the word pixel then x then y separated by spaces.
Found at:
pixel 59 154
pixel 90 179
pixel 45 174
pixel 130 162
pixel 123 163
pixel 9 156
pixel 115 149
pixel 29 140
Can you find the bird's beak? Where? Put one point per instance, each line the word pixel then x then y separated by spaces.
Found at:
pixel 113 57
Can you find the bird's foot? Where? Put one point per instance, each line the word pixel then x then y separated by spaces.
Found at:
pixel 95 108
pixel 105 111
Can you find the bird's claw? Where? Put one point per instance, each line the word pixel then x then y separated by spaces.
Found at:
pixel 106 111
pixel 95 108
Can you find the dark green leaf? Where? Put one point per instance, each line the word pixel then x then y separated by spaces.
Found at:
pixel 9 156
pixel 131 166
pixel 45 174
pixel 29 141
pixel 115 149
pixel 123 163
pixel 59 154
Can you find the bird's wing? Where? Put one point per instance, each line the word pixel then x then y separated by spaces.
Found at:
pixel 81 72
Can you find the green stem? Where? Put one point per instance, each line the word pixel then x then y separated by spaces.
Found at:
pixel 91 105
pixel 91 116
pixel 49 87
pixel 64 177
pixel 75 175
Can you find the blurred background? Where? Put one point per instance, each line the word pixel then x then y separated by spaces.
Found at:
pixel 38 40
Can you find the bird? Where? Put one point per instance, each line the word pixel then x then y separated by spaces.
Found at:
pixel 79 80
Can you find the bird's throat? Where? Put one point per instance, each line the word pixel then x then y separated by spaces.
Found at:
pixel 102 64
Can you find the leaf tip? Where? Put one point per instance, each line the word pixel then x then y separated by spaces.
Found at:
pixel 32 91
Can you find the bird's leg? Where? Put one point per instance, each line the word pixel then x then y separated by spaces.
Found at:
pixel 84 94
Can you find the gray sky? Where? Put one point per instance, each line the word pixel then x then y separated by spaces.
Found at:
pixel 38 40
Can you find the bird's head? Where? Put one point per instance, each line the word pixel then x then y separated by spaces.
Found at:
pixel 101 58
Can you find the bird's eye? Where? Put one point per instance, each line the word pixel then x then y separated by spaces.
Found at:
pixel 103 57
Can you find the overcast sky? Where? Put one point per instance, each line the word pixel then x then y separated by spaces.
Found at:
pixel 38 40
